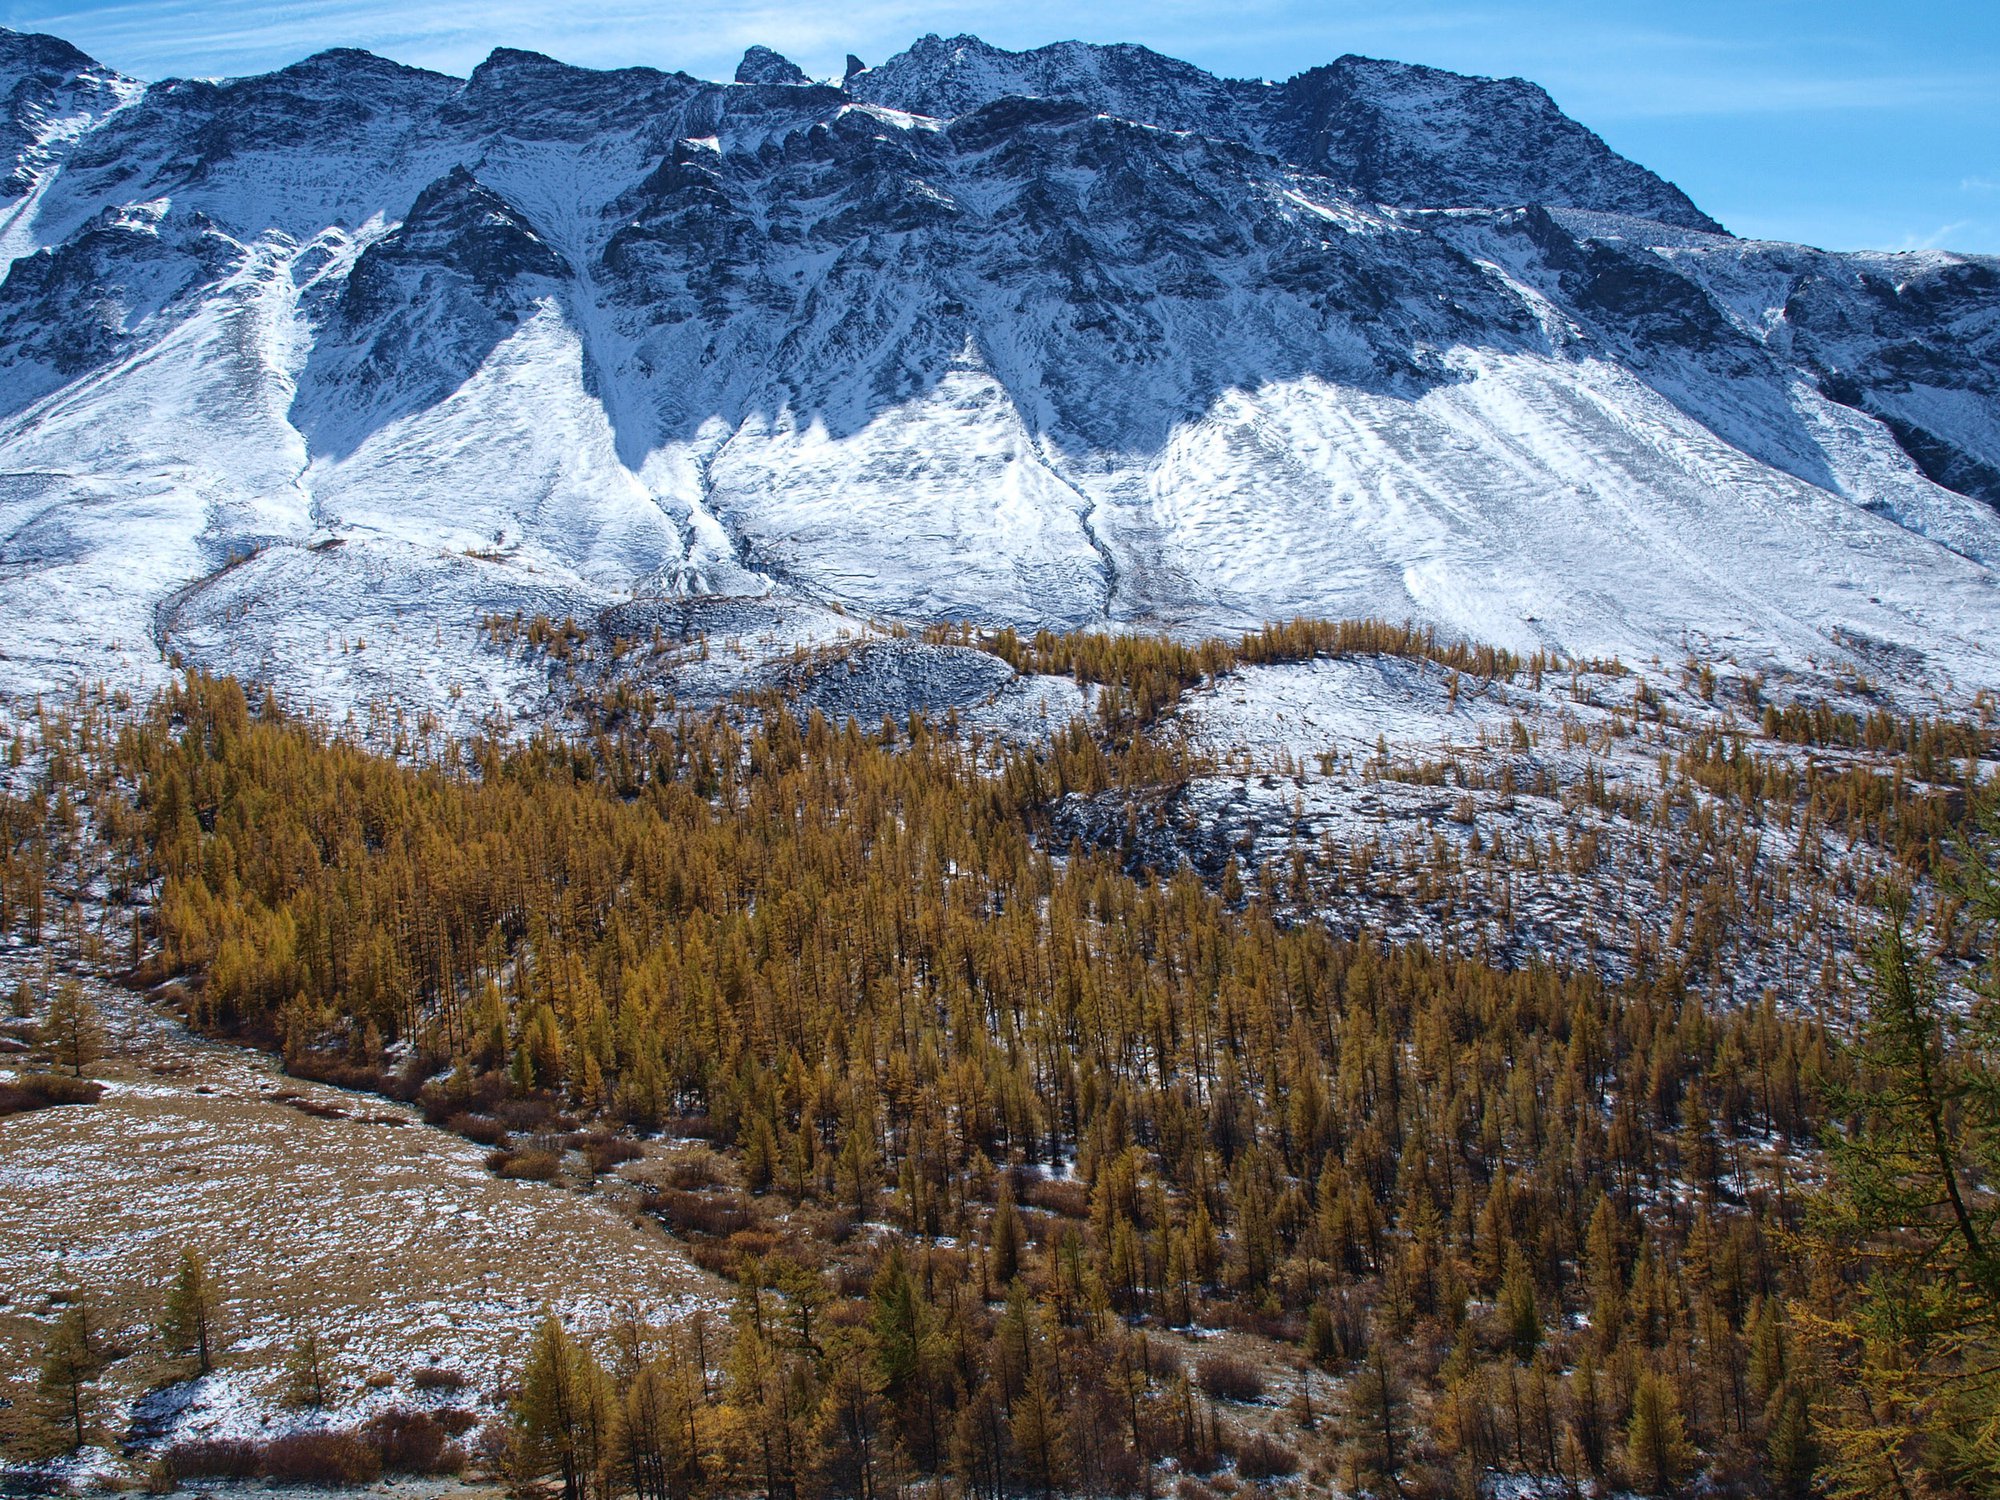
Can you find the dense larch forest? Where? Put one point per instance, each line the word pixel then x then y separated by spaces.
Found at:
pixel 1040 1171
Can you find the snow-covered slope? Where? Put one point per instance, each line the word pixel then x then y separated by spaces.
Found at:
pixel 356 352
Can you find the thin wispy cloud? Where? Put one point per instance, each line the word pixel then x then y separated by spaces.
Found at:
pixel 1937 237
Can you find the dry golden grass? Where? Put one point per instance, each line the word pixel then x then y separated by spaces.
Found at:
pixel 312 1205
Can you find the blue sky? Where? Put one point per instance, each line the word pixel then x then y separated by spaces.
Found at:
pixel 1845 123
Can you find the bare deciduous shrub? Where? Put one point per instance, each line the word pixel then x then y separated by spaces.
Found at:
pixel 311 1107
pixel 531 1114
pixel 693 1167
pixel 42 1090
pixel 412 1442
pixel 603 1151
pixel 396 1441
pixel 323 1067
pixel 482 1130
pixel 214 1458
pixel 1070 1200
pixel 716 1215
pixel 833 1226
pixel 1260 1456
pixel 1224 1377
pixel 324 1460
pixel 531 1165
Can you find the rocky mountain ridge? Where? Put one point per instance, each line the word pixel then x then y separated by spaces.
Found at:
pixel 1074 336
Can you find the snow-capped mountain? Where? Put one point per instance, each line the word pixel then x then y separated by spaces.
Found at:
pixel 354 352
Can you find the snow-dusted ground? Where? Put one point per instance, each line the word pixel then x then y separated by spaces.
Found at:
pixel 345 626
pixel 1339 706
pixel 389 1237
pixel 1533 504
pixel 896 678
pixel 1419 818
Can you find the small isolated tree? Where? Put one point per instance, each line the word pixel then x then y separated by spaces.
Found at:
pixel 70 1364
pixel 1322 1344
pixel 1906 1311
pixel 659 1427
pixel 187 1322
pixel 1791 1452
pixel 1038 1437
pixel 760 1155
pixel 308 1375
pixel 73 1031
pixel 850 1434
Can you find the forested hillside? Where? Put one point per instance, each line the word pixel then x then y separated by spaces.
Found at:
pixel 1045 1169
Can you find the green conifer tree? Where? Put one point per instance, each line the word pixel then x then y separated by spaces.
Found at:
pixel 308 1379
pixel 1009 1240
pixel 1518 1309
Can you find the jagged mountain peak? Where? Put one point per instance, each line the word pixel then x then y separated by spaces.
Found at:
pixel 1418 136
pixel 423 308
pixel 458 206
pixel 934 52
pixel 52 93
pixel 533 96
pixel 514 65
pixel 457 225
pixel 950 76
pixel 762 65
pixel 350 67
pixel 1392 132
pixel 22 50
pixel 519 60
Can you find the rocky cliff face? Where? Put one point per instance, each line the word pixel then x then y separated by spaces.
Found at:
pixel 1386 131
pixel 53 94
pixel 1075 335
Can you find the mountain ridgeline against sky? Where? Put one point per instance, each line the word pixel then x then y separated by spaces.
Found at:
pixel 1076 335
